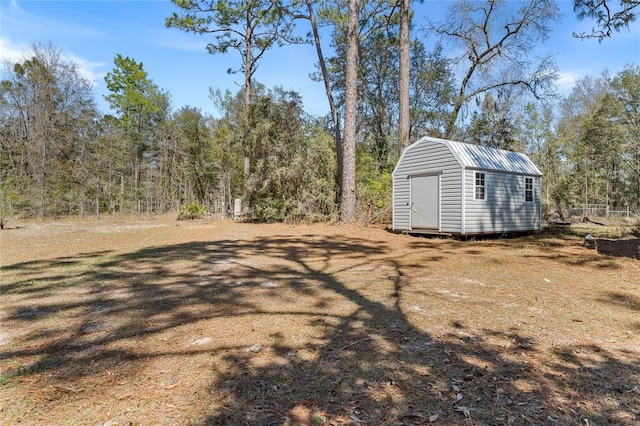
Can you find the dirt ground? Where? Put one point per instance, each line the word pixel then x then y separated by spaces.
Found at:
pixel 152 321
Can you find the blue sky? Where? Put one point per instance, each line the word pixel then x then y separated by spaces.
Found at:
pixel 91 33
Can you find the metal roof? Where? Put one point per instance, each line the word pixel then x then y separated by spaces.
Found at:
pixel 482 157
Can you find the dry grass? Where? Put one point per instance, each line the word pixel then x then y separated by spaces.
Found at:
pixel 158 322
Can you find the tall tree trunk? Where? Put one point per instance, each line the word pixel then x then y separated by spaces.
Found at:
pixel 98 200
pixel 248 72
pixel 43 179
pixel 121 192
pixel 327 88
pixel 348 199
pixel 403 137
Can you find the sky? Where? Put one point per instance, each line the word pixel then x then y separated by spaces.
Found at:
pixel 92 32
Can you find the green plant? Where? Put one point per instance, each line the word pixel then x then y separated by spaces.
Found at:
pixel 374 188
pixel 192 210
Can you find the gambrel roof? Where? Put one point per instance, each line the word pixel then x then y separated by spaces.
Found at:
pixel 481 157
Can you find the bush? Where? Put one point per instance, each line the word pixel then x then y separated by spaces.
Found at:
pixel 374 188
pixel 192 210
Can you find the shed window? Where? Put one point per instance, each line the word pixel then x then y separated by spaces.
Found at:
pixel 479 186
pixel 528 189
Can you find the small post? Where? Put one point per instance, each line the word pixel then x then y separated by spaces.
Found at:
pixel 237 209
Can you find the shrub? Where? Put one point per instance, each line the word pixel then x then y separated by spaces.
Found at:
pixel 192 210
pixel 374 188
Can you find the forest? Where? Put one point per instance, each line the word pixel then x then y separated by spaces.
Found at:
pixel 59 155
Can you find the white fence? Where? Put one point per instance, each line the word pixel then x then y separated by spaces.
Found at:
pixel 598 210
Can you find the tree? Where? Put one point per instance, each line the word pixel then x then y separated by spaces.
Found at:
pixel 46 121
pixel 134 97
pixel 311 16
pixel 292 176
pixel 404 75
pixel 353 25
pixel 603 150
pixel 432 91
pixel 378 110
pixel 431 84
pixel 377 107
pixel 608 18
pixel 110 162
pixel 140 107
pixel 543 147
pixel 598 129
pixel 492 126
pixel 196 145
pixel 348 189
pixel 626 87
pixel 581 163
pixel 251 27
pixel 229 138
pixel 496 40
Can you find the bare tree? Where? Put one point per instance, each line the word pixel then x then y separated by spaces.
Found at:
pixel 497 40
pixel 47 111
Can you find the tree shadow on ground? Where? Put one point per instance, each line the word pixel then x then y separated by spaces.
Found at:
pixel 624 300
pixel 565 249
pixel 367 360
pixel 376 367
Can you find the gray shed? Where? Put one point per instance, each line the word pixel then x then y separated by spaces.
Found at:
pixel 442 186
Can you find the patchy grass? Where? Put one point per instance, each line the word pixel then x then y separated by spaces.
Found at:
pixel 157 322
pixel 606 228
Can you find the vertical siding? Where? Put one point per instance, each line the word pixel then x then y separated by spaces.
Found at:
pixel 504 208
pixel 423 158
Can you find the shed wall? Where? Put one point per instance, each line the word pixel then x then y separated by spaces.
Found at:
pixel 428 158
pixel 504 208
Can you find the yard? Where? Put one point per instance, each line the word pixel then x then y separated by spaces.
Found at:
pixel 152 321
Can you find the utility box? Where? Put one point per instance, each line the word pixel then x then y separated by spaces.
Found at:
pixel 237 209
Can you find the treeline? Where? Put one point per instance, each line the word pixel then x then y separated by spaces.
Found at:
pixel 59 155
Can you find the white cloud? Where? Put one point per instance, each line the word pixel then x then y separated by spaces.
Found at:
pixel 12 52
pixel 88 69
pixel 567 80
pixel 18 52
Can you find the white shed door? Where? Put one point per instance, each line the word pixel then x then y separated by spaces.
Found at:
pixel 425 201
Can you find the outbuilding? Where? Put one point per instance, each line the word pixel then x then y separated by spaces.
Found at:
pixel 447 187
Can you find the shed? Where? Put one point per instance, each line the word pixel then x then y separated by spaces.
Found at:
pixel 443 186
